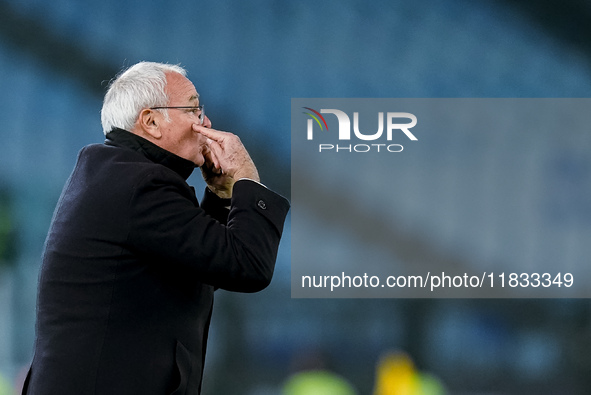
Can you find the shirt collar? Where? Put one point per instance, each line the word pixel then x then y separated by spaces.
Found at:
pixel 122 138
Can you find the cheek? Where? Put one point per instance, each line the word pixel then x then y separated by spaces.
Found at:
pixel 193 137
pixel 197 142
pixel 202 139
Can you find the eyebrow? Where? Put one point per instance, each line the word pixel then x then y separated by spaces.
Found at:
pixel 194 97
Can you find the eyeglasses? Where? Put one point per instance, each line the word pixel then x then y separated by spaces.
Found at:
pixel 197 110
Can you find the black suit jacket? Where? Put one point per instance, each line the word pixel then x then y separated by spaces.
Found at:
pixel 129 268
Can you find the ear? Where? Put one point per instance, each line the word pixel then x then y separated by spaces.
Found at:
pixel 149 122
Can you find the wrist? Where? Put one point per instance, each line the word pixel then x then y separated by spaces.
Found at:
pixel 224 189
pixel 251 174
pixel 221 193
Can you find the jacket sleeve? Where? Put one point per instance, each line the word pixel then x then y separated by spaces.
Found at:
pixel 168 227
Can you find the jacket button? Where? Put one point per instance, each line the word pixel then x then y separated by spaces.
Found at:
pixel 262 205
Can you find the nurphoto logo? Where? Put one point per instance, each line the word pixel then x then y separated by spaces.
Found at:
pixel 393 125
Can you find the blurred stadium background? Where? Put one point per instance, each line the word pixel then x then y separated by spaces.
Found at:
pixel 247 60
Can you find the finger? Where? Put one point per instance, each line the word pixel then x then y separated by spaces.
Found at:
pixel 210 162
pixel 215 135
pixel 215 152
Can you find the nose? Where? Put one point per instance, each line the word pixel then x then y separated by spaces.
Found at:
pixel 207 122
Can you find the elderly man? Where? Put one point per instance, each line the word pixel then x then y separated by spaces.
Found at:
pixel 132 259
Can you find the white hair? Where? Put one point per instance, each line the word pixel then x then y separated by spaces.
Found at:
pixel 140 86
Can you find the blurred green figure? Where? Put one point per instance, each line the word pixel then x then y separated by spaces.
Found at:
pixel 5 387
pixel 317 382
